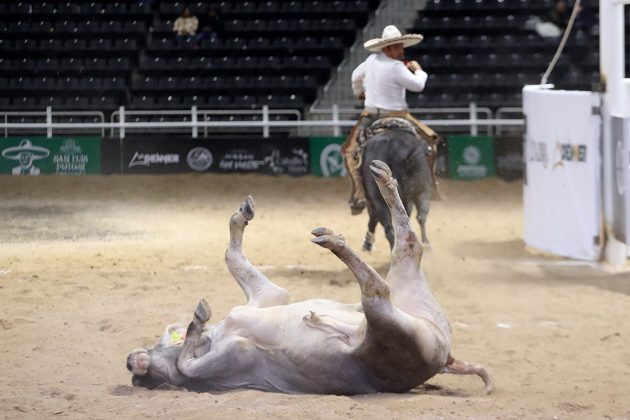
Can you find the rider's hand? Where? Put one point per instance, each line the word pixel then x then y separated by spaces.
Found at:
pixel 413 65
pixel 361 96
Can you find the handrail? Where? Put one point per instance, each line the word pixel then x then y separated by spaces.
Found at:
pixel 122 123
pixel 200 115
pixel 501 112
pixel 473 112
pixel 48 114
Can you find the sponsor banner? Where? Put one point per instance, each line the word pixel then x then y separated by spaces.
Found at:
pixel 326 157
pixel 509 157
pixel 470 157
pixel 180 155
pixel 562 193
pixel 620 136
pixel 29 155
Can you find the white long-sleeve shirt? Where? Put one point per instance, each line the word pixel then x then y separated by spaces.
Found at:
pixel 385 82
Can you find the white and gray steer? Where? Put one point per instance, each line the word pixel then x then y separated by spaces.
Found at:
pixel 394 340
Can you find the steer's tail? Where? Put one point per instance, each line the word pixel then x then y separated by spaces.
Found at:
pixel 459 367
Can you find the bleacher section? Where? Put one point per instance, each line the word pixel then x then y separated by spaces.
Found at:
pixel 484 51
pixel 83 55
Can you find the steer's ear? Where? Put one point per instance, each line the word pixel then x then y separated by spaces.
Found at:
pixel 174 334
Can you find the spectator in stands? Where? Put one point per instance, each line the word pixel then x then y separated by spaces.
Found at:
pixel 210 27
pixel 559 14
pixel 381 81
pixel 185 26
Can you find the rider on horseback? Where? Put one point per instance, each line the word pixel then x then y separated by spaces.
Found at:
pixel 382 81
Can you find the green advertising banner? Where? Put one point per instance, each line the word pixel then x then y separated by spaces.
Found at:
pixel 57 155
pixel 326 158
pixel 470 157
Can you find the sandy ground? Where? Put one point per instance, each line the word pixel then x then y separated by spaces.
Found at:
pixel 93 267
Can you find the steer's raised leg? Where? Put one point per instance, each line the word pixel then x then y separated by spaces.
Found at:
pixel 196 360
pixel 410 289
pixel 374 290
pixel 259 290
pixel 194 335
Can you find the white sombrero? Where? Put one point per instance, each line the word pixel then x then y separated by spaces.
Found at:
pixel 391 35
pixel 37 152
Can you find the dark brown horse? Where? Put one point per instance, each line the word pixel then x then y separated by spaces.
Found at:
pixel 396 143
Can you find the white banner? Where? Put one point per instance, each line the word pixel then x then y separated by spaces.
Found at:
pixel 562 193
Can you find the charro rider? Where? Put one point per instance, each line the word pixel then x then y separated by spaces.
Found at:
pixel 382 81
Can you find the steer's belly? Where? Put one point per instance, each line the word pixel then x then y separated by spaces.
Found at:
pixel 303 347
pixel 309 327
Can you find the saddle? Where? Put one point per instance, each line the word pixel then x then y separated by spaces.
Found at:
pixel 386 123
pixel 391 123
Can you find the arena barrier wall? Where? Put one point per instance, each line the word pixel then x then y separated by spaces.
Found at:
pixel 172 155
pixel 562 192
pixel 620 134
pixel 470 157
pixel 509 162
pixel 33 155
pixel 326 157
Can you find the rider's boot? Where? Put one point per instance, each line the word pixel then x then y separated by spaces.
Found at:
pixel 352 161
pixel 357 197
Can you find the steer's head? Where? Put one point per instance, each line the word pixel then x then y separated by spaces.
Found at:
pixel 155 367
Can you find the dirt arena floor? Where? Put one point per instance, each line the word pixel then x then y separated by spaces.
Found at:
pixel 93 267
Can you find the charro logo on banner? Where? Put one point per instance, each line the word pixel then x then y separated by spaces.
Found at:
pixel 56 155
pixel 25 154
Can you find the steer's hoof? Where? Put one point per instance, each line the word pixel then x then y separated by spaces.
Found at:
pixel 321 231
pixel 326 238
pixel 247 208
pixel 138 362
pixel 382 174
pixel 203 311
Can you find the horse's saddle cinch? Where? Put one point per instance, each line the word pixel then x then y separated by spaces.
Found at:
pixel 392 123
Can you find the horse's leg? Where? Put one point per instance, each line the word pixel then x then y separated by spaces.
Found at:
pixel 259 290
pixel 368 242
pixel 390 233
pixel 422 204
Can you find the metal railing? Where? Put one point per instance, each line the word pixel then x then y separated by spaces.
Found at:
pixel 192 120
pixel 196 116
pixel 49 115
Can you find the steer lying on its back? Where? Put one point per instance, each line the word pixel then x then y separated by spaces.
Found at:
pixel 394 340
